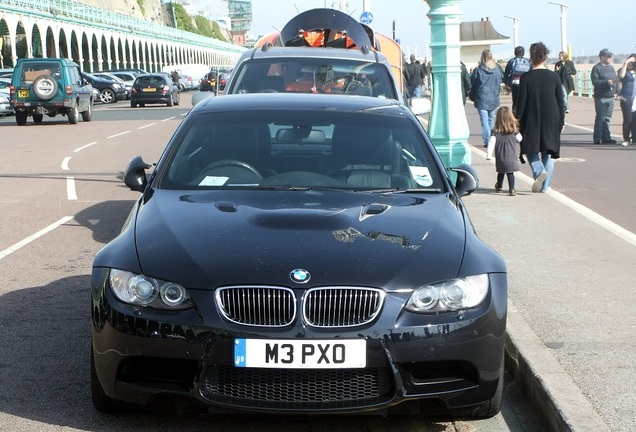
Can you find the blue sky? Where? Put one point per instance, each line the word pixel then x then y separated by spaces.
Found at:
pixel 538 21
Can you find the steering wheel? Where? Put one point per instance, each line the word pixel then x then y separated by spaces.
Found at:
pixel 335 82
pixel 231 167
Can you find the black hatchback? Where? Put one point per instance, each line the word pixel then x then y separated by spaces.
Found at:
pixel 154 88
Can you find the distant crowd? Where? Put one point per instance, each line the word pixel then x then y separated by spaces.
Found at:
pixel 530 130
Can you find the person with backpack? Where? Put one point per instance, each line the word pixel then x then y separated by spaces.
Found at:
pixel 517 66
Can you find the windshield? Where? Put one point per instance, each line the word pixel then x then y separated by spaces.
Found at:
pixel 315 75
pixel 311 150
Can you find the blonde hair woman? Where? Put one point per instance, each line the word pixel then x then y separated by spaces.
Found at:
pixel 566 70
pixel 486 82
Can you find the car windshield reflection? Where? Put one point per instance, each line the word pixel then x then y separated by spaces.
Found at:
pixel 374 152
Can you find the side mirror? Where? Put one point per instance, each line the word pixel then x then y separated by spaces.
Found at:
pixel 467 180
pixel 135 174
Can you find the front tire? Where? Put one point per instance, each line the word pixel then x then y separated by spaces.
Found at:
pixel 37 118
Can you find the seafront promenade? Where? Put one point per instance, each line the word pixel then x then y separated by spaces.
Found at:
pixel 571 326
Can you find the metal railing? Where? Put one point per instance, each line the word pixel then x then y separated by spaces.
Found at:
pixel 74 12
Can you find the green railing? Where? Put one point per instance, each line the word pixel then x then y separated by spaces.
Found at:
pixel 78 13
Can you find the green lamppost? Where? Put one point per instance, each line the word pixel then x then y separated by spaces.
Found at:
pixel 448 126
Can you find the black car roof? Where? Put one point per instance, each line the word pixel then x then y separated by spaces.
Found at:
pixel 296 101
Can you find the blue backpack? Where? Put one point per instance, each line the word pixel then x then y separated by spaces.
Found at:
pixel 520 65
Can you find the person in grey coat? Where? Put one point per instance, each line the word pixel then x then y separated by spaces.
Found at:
pixel 541 114
pixel 486 83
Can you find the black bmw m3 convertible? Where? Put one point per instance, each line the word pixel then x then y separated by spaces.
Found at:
pixel 299 254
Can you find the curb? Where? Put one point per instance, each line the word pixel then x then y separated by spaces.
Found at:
pixel 552 394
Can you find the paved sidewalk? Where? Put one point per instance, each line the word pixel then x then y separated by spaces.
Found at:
pixel 571 324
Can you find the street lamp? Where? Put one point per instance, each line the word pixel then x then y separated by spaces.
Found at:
pixel 564 12
pixel 515 29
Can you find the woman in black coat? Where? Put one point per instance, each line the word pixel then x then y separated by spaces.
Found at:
pixel 541 113
pixel 566 70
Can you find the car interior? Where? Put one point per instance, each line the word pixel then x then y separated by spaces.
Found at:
pixel 287 153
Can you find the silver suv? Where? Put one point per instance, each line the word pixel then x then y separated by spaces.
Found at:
pixel 313 70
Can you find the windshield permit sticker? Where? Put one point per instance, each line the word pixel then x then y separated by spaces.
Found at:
pixel 421 175
pixel 213 181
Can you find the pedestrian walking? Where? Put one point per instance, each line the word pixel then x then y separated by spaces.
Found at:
pixel 566 70
pixel 504 143
pixel 416 77
pixel 427 72
pixel 605 84
pixel 627 75
pixel 541 117
pixel 516 66
pixel 484 92
pixel 175 77
pixel 466 84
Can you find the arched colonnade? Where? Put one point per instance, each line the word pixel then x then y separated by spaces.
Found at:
pixel 96 49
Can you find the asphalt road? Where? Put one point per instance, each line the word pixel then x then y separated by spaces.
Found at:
pixel 62 200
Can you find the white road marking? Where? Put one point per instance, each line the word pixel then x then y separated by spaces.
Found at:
pixel 84 146
pixel 591 215
pixel 148 125
pixel 71 194
pixel 29 239
pixel 119 134
pixel 65 163
pixel 169 118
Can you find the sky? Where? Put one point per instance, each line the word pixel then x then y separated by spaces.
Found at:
pixel 538 21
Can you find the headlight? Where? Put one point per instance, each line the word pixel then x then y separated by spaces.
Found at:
pixel 142 290
pixel 449 296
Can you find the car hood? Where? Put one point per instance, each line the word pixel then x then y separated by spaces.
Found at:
pixel 215 238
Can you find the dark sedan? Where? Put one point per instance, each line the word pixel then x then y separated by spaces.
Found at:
pixel 155 89
pixel 110 91
pixel 299 253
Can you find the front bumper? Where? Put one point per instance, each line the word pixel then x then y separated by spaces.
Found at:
pixel 143 356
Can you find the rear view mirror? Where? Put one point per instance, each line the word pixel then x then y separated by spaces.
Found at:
pixel 299 135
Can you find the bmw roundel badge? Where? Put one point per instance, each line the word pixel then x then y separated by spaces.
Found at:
pixel 300 276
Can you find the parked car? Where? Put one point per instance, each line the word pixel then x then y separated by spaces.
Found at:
pixel 323 59
pixel 299 253
pixel 110 76
pixel 126 75
pixel 156 89
pixel 5 105
pixel 50 86
pixel 186 82
pixel 6 73
pixel 110 91
pixel 5 84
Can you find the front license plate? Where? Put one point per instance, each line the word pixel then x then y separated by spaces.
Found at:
pixel 293 354
pixel 23 93
pixel 149 90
